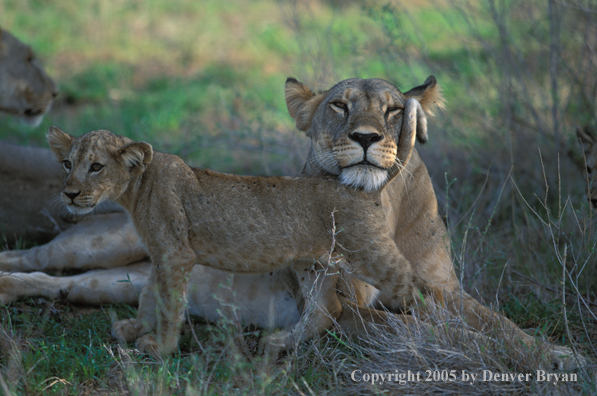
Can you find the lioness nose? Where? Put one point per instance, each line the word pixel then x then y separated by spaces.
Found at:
pixel 365 139
pixel 72 195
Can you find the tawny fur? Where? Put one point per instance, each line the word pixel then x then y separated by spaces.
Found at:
pixel 408 201
pixel 26 90
pixel 27 177
pixel 185 216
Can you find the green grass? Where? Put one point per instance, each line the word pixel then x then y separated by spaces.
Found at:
pixel 67 350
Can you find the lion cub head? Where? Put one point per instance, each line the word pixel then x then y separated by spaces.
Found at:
pixel 355 126
pixel 96 166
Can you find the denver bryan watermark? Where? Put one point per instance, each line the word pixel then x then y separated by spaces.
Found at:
pixel 405 377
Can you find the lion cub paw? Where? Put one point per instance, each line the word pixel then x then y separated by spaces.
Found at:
pixel 148 344
pixel 126 330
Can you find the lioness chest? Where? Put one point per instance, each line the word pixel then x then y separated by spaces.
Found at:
pixel 250 224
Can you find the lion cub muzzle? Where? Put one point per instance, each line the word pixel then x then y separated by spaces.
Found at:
pixel 76 202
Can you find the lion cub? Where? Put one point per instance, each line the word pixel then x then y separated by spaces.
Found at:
pixel 186 216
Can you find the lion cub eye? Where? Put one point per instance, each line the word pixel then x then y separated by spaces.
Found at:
pixel 95 167
pixel 339 107
pixel 67 165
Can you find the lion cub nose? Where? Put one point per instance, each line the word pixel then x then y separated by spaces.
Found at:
pixel 365 139
pixel 72 195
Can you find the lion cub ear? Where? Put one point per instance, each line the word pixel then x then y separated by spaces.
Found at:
pixel 429 95
pixel 301 103
pixel 60 142
pixel 136 156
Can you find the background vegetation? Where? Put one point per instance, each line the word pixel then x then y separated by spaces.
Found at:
pixel 204 79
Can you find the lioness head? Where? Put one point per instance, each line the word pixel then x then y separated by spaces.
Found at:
pixel 96 166
pixel 588 141
pixel 355 127
pixel 25 88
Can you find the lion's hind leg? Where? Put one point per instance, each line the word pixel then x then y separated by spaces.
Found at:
pixel 102 241
pixel 484 319
pixel 19 285
pixel 112 286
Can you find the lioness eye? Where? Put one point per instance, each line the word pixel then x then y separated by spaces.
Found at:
pixel 391 110
pixel 66 164
pixel 341 105
pixel 95 167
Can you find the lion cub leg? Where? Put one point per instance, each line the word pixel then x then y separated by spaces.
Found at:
pixel 161 305
pixel 321 308
pixel 128 330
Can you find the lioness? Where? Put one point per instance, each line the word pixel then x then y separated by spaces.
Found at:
pixel 588 140
pixel 346 125
pixel 26 90
pixel 186 216
pixel 28 175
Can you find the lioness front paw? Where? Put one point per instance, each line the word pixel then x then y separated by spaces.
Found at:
pixel 148 344
pixel 7 287
pixel 563 358
pixel 126 330
pixel 273 344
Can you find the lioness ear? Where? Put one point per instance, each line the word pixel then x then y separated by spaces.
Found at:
pixel 414 125
pixel 60 142
pixel 135 156
pixel 301 103
pixel 586 138
pixel 429 95
pixel 422 135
